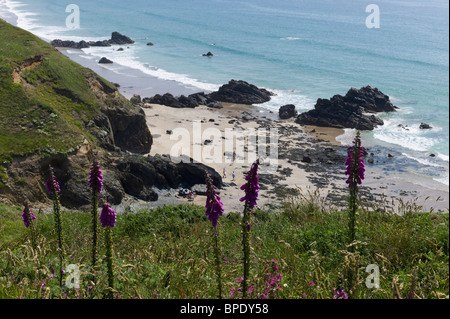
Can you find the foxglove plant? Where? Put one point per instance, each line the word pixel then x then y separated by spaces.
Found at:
pixel 28 220
pixel 96 184
pixel 355 172
pixel 54 190
pixel 251 189
pixel 108 221
pixel 214 209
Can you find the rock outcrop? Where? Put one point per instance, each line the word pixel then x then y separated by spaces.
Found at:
pixel 349 111
pixel 287 111
pixel 116 39
pixel 182 101
pixel 104 60
pixel 241 92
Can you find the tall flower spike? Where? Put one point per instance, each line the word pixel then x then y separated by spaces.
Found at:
pixel 214 207
pixel 27 215
pixel 51 184
pixel 251 188
pixel 107 216
pixel 96 177
pixel 355 163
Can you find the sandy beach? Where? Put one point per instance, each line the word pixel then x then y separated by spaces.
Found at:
pixel 293 174
pixel 296 144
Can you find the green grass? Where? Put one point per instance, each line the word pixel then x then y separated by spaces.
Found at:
pixel 168 253
pixel 47 111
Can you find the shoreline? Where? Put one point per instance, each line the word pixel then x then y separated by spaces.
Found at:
pixel 324 173
pixel 403 184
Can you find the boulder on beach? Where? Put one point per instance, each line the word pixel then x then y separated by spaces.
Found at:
pixel 287 111
pixel 241 92
pixel 349 111
pixel 105 61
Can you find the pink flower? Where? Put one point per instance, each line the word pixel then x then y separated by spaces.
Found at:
pixel 107 216
pixel 251 188
pixel 214 207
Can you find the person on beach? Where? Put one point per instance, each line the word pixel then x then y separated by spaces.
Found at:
pixel 234 176
pixel 224 173
pixel 234 156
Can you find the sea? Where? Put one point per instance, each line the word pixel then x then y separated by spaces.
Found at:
pixel 301 50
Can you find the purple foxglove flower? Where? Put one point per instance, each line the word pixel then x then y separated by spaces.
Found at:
pixel 355 164
pixel 96 177
pixel 27 213
pixel 251 188
pixel 50 186
pixel 214 207
pixel 107 216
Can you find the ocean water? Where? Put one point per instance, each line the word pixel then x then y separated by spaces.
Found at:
pixel 300 49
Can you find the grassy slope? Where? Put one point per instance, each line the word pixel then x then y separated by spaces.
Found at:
pixel 46 112
pixel 169 252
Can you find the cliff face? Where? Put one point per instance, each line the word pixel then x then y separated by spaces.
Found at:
pixel 54 111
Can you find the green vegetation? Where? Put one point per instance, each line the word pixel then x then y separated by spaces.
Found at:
pixel 45 98
pixel 167 253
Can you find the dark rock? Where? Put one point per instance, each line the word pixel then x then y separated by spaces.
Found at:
pixel 208 54
pixel 105 61
pixel 370 99
pixel 130 130
pixel 169 132
pixel 101 43
pixel 425 126
pixel 287 111
pixel 207 142
pixel 120 49
pixel 69 44
pixel 149 44
pixel 241 92
pixel 117 38
pixel 432 155
pixel 349 111
pixel 306 159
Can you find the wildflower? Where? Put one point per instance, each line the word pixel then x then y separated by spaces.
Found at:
pixel 214 207
pixel 50 185
pixel 108 220
pixel 355 164
pixel 251 188
pixel 96 184
pixel 54 189
pixel 107 216
pixel 339 294
pixel 27 216
pixel 96 177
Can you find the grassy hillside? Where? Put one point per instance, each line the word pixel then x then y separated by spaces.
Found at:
pixel 45 98
pixel 168 253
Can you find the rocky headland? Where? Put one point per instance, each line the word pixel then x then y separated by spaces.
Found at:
pixel 354 110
